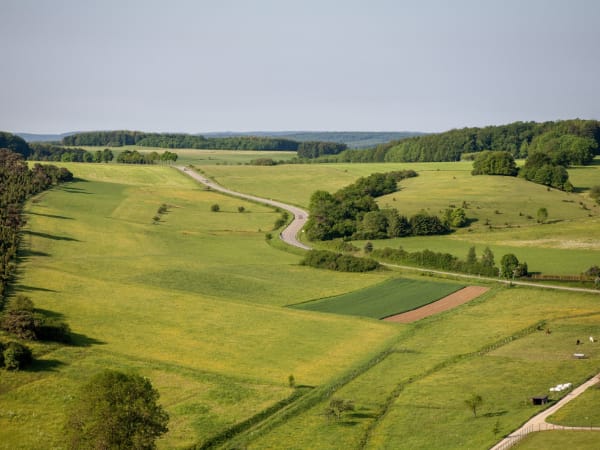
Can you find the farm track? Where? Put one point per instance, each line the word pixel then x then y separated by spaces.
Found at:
pixel 288 235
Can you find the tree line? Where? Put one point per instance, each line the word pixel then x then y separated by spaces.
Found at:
pixel 574 141
pixel 17 183
pixel 309 149
pixel 50 152
pixel 352 213
pixel 135 157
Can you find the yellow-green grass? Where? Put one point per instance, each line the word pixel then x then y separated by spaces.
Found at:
pixel 386 299
pixel 559 440
pixel 192 302
pixel 567 244
pixel 426 381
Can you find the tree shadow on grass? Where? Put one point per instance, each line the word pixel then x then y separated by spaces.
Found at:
pixel 24 288
pixel 44 365
pixel 26 253
pixel 51 216
pixel 81 340
pixel 495 413
pixel 54 237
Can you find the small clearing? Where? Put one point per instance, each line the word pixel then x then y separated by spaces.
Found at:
pixel 451 301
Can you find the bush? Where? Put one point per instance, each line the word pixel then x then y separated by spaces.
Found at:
pixel 16 356
pixel 51 329
pixel 215 208
pixel 324 259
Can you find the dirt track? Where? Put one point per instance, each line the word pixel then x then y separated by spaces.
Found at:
pixel 451 301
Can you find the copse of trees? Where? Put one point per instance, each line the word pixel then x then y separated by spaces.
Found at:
pixel 14 355
pixel 14 143
pixel 541 169
pixel 135 157
pixel 353 213
pixel 494 163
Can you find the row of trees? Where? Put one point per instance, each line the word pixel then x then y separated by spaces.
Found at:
pixel 20 319
pixel 49 152
pixel 309 149
pixel 441 261
pixel 325 259
pixel 17 183
pixel 135 157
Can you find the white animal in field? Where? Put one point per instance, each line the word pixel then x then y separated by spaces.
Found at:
pixel 592 340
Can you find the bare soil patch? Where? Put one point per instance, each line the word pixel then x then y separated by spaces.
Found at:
pixel 451 301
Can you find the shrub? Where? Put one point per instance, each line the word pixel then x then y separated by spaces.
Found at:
pixel 16 356
pixel 324 259
pixel 215 208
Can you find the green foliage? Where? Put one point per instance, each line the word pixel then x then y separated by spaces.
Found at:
pixel 215 207
pixel 263 162
pixel 15 356
pixel 540 169
pixel 14 143
pixel 241 209
pixel 337 407
pixel 424 224
pixel 542 215
pixel 473 403
pixel 352 211
pixel 20 319
pixel 292 381
pixel 312 149
pixel 509 265
pixel 439 260
pixel 494 163
pixel 116 410
pixel 135 157
pixel 565 149
pixel 324 259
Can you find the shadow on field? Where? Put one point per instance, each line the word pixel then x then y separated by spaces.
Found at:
pixel 495 414
pixel 24 288
pixel 75 190
pixel 51 216
pixel 81 340
pixel 51 236
pixel 45 365
pixel 26 253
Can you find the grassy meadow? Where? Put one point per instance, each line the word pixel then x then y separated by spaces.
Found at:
pixel 198 302
pixel 503 210
pixel 394 296
pixel 192 302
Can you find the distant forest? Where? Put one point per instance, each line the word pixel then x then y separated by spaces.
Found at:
pixel 574 141
pixel 312 149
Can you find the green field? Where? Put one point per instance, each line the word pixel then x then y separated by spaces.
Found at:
pixel 197 303
pixel 503 209
pixel 192 302
pixel 386 299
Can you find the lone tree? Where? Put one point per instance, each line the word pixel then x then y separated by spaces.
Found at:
pixel 542 215
pixel 474 402
pixel 215 208
pixel 509 264
pixel 337 407
pixel 116 410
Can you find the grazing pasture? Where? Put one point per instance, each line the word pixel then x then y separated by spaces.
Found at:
pixel 386 299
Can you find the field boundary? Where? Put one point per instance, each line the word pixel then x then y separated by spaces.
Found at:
pixel 446 303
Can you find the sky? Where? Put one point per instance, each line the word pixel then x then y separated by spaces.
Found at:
pixel 247 65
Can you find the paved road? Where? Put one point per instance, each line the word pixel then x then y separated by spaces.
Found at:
pixel 288 235
pixel 538 422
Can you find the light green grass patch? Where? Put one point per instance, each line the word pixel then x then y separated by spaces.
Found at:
pixel 559 440
pixel 386 299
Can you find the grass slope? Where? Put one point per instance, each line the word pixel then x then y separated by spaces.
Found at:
pixel 192 302
pixel 386 299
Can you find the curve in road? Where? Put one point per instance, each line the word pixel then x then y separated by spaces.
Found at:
pixel 288 235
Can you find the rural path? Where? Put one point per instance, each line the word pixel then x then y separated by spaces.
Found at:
pixel 288 235
pixel 538 422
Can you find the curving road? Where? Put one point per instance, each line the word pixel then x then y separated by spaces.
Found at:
pixel 288 235
pixel 301 216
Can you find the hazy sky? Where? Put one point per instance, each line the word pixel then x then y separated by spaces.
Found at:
pixel 241 65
